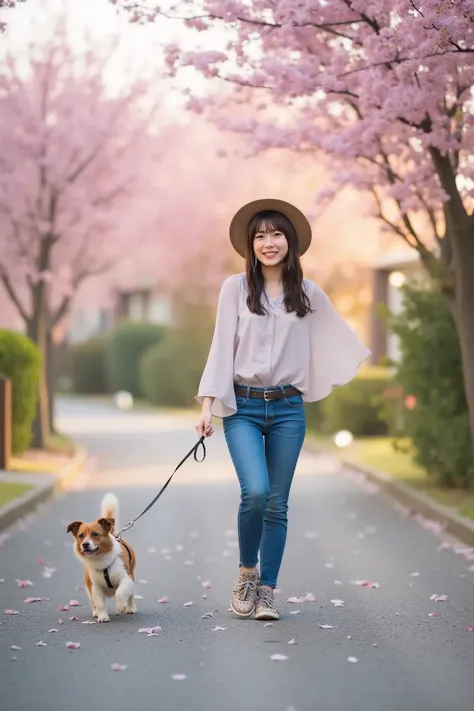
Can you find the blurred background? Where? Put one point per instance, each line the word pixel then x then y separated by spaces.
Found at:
pixel 115 200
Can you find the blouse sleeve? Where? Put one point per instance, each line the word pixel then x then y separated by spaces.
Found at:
pixel 217 380
pixel 335 350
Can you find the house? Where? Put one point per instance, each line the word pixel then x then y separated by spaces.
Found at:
pixel 389 274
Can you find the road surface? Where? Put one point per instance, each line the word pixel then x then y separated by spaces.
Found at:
pixel 412 652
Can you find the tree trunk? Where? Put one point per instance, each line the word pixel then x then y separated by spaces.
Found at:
pixel 50 377
pixel 464 312
pixel 37 331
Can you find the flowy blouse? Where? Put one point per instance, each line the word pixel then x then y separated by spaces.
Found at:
pixel 313 353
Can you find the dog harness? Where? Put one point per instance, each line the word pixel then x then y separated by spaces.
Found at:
pixel 106 570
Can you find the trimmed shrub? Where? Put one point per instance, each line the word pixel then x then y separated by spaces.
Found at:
pixel 430 371
pixel 88 367
pixel 20 362
pixel 355 406
pixel 171 370
pixel 125 347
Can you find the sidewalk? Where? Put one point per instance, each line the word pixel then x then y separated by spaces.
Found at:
pixel 42 487
pixel 416 502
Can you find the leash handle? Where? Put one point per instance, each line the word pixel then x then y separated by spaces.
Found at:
pixel 192 451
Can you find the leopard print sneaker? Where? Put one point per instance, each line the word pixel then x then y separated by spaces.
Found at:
pixel 244 594
pixel 265 607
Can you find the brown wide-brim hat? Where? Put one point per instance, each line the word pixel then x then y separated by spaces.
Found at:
pixel 240 222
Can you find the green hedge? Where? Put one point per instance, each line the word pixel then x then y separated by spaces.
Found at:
pixel 125 347
pixel 430 369
pixel 356 406
pixel 20 362
pixel 170 371
pixel 88 366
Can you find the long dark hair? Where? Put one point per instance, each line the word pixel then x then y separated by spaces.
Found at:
pixel 295 299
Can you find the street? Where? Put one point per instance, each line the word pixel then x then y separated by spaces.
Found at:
pixel 390 646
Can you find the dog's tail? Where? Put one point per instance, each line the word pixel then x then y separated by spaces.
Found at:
pixel 109 508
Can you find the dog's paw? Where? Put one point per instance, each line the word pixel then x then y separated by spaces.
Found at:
pixel 102 616
pixel 95 613
pixel 131 609
pixel 121 608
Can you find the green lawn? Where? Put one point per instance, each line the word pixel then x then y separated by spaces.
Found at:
pixel 11 491
pixel 378 453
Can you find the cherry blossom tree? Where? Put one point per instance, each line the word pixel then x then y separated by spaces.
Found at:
pixel 74 162
pixel 382 88
pixel 9 5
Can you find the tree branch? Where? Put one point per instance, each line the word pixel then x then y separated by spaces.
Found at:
pixel 13 295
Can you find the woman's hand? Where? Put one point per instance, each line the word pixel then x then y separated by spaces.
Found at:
pixel 204 424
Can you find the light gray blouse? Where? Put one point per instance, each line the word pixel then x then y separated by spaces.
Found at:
pixel 313 353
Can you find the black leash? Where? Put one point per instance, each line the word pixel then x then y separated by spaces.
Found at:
pixel 192 451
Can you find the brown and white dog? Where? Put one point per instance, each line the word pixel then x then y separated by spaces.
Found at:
pixel 109 562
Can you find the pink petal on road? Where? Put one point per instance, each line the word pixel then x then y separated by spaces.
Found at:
pixel 179 677
pixel 41 644
pixel 188 604
pixel 60 622
pixel 295 612
pixel 118 667
pixel 292 641
pixel 142 581
pixel 206 584
pixel 41 561
pixel 309 597
pixel 74 618
pixel 24 583
pixel 63 608
pixel 338 603
pixel 439 598
pixel 73 603
pixel 326 627
pixel 206 616
pixel 204 596
pixel 268 624
pixel 15 646
pixel 88 622
pixel 414 575
pixel 353 660
pixel 294 599
pixel 278 657
pixel 469 628
pixel 364 584
pixel 432 614
pixel 73 645
pixel 163 599
pixel 138 597
pixel 12 612
pixel 33 599
pixel 218 629
pixel 53 629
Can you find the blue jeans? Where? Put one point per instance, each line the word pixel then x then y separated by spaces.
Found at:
pixel 264 441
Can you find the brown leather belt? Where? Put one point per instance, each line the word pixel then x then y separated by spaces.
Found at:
pixel 267 394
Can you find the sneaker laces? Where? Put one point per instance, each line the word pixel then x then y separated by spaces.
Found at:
pixel 244 587
pixel 265 597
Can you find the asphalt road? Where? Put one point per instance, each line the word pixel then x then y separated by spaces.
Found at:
pixel 413 652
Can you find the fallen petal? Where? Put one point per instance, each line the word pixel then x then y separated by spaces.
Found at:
pixel 292 641
pixel 338 603
pixel 118 667
pixel 295 612
pixel 188 604
pixel 178 677
pixel 73 645
pixel 163 599
pixel 24 583
pixel 33 599
pixel 278 657
pixel 294 599
pixel 143 582
pixel 206 584
pixel 353 660
pixel 41 644
pixel 53 629
pixel 414 575
pixel 326 627
pixel 88 622
pixel 74 618
pixel 439 598
pixel 206 616
pixel 189 562
pixel 15 646
pixel 63 608
pixel 73 603
pixel 12 612
pixel 309 597
pixel 268 624
pixel 218 629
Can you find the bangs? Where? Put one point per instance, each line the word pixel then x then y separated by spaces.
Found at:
pixel 270 222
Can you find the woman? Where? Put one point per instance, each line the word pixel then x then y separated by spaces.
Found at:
pixel 278 341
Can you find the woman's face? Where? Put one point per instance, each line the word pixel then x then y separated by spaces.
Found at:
pixel 270 246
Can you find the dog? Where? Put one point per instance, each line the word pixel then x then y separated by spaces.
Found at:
pixel 109 561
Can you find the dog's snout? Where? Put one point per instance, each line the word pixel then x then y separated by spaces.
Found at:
pixel 86 545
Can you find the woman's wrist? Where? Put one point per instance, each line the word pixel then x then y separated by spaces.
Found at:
pixel 207 404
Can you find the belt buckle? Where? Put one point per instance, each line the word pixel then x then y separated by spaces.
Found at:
pixel 265 396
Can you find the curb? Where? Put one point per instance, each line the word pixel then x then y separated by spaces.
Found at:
pixel 45 487
pixel 415 501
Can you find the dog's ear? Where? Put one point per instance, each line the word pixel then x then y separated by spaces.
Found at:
pixel 74 527
pixel 106 523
